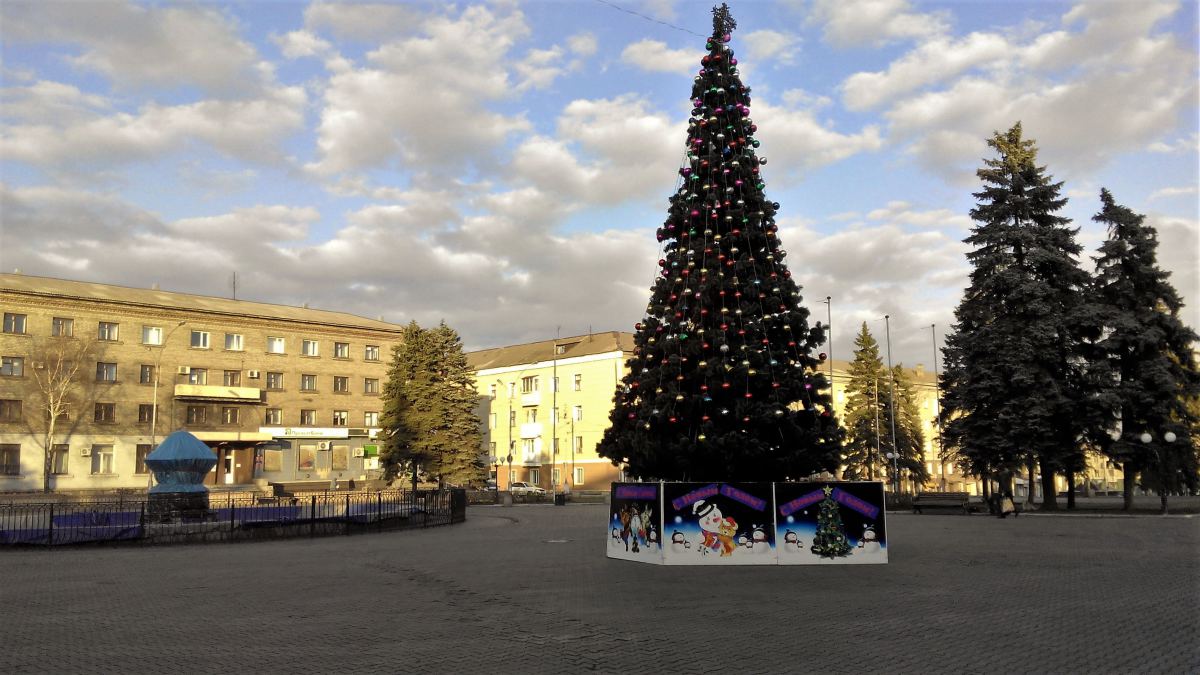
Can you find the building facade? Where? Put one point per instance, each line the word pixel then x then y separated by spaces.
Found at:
pixel 279 393
pixel 546 406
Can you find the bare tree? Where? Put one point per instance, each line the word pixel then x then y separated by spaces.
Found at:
pixel 59 367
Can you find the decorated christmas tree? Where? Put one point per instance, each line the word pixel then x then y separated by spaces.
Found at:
pixel 830 540
pixel 723 384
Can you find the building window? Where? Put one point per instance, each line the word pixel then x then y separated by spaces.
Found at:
pixel 577 413
pixel 341 384
pixel 275 345
pixel 233 342
pixel 308 348
pixel 371 353
pixel 198 376
pixel 139 458
pixel 535 476
pixel 60 327
pixel 492 450
pixel 146 374
pixel 197 414
pixel 60 457
pixel 370 385
pixel 341 350
pixel 578 382
pixel 106 372
pixel 528 445
pixel 145 413
pixel 492 423
pixel 274 416
pixel 12 366
pixel 10 410
pixel 579 475
pixel 200 339
pixel 106 413
pixel 102 459
pixel 108 331
pixel 512 418
pixel 529 384
pixel 370 419
pixel 340 418
pixel 555 476
pixel 492 390
pixel 232 378
pixel 10 456
pixel 577 444
pixel 229 415
pixel 308 418
pixel 274 380
pixel 152 335
pixel 308 383
pixel 531 415
pixel 14 323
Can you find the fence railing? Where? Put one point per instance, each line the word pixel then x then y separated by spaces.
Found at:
pixel 229 518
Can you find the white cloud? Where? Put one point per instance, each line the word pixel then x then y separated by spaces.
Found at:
pixel 902 213
pixel 301 43
pixel 772 45
pixel 655 56
pixel 50 102
pixel 798 142
pixel 139 46
pixel 540 67
pixel 848 23
pixel 582 44
pixel 932 62
pixel 1174 192
pixel 365 22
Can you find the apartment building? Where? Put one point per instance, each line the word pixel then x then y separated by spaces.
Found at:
pixel 278 392
pixel 545 406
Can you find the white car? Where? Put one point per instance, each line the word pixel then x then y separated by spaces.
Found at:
pixel 521 488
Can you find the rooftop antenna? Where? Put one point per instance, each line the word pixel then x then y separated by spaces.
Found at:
pixel 235 285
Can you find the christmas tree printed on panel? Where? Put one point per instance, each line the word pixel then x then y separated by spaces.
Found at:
pixel 830 540
pixel 723 384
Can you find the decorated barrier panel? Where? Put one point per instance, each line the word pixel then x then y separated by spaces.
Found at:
pixel 817 523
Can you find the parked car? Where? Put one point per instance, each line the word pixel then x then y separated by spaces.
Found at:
pixel 521 488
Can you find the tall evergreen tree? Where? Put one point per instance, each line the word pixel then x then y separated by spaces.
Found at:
pixel 864 457
pixel 723 384
pixel 1146 366
pixel 428 421
pixel 1011 384
pixel 910 438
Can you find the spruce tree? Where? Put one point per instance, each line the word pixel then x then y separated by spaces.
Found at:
pixel 1011 384
pixel 910 438
pixel 723 384
pixel 428 422
pixel 1146 364
pixel 864 453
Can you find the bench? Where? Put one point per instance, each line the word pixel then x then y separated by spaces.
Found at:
pixel 292 488
pixel 941 500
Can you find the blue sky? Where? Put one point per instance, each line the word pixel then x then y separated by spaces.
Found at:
pixel 503 165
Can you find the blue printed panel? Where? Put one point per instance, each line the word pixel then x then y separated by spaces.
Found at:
pixel 718 524
pixel 635 522
pixel 833 523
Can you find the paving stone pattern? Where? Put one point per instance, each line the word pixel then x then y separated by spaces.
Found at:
pixel 963 594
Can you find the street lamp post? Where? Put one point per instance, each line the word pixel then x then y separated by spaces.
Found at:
pixel 895 453
pixel 1146 439
pixel 154 395
pixel 829 346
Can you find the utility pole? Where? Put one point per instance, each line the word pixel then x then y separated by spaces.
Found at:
pixel 892 405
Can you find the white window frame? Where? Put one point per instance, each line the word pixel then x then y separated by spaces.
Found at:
pixel 112 335
pixel 341 350
pixel 234 342
pixel 370 418
pixel 578 381
pixel 341 418
pixel 16 324
pixel 102 460
pixel 310 348
pixel 579 476
pixel 152 335
pixel 577 413
pixel 201 339
pixel 198 376
pixel 276 345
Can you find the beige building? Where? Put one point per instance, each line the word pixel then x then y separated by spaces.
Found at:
pixel 279 392
pixel 546 405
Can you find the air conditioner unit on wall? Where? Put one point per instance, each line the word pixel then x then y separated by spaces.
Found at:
pixel 85 452
pixel 322 445
pixel 185 370
pixel 359 452
pixel 253 374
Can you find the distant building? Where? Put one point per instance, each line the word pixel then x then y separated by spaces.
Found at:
pixel 546 404
pixel 279 392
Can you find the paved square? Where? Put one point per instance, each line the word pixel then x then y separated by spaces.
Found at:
pixel 503 593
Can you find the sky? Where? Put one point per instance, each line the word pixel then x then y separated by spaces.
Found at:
pixel 502 166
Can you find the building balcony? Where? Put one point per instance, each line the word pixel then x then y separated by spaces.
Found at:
pixel 531 399
pixel 209 392
pixel 531 430
pixel 534 459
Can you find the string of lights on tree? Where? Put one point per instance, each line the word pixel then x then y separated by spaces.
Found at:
pixel 724 346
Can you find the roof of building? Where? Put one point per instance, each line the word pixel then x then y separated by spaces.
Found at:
pixel 546 350
pixel 83 290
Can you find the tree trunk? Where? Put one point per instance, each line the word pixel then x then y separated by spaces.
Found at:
pixel 1129 479
pixel 1162 496
pixel 1030 480
pixel 1071 489
pixel 987 492
pixel 1049 494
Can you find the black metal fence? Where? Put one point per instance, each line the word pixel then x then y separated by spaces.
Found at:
pixel 230 518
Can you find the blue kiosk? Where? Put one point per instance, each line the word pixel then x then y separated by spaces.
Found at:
pixel 179 464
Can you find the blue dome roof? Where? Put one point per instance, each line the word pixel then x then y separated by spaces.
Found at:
pixel 181 445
